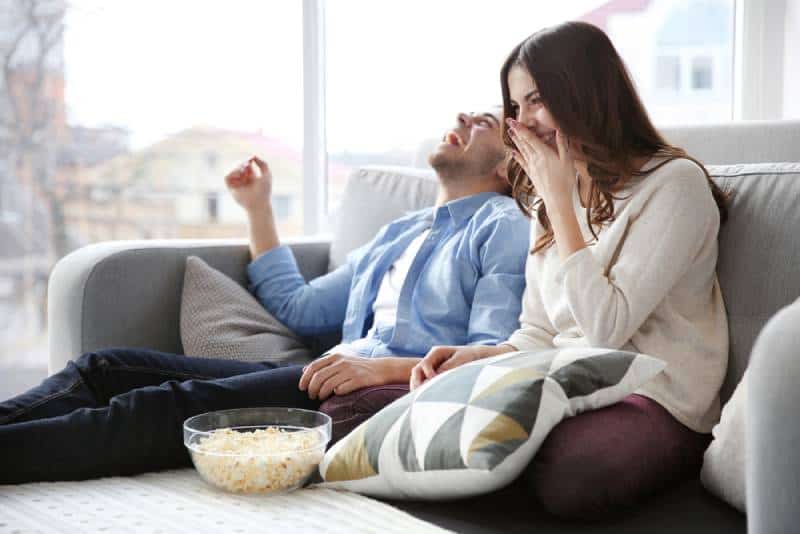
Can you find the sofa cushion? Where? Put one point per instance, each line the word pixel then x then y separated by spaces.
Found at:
pixel 221 319
pixel 724 460
pixel 473 429
pixel 375 196
pixel 759 251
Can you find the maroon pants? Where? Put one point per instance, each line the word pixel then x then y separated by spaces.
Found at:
pixel 590 466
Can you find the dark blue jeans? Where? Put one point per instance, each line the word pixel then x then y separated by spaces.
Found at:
pixel 121 411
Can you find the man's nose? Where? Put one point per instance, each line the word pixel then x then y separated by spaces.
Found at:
pixel 465 119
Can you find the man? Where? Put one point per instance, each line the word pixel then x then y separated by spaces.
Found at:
pixel 450 275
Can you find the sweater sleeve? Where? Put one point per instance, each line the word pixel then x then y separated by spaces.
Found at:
pixel 664 238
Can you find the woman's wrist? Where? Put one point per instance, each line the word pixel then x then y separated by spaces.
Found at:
pixel 495 350
pixel 504 348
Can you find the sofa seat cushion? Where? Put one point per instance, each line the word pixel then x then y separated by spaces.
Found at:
pixel 686 508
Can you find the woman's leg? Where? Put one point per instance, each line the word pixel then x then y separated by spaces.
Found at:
pixel 599 463
pixel 94 378
pixel 349 411
pixel 138 431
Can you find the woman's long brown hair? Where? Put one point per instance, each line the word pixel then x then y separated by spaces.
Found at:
pixel 586 87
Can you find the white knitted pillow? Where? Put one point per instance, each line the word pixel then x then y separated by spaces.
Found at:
pixel 724 460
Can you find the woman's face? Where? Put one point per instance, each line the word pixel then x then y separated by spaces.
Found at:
pixel 528 108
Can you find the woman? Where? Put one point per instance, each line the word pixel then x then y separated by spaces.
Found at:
pixel 624 252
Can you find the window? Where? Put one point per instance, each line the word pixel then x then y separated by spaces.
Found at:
pixel 401 78
pixel 671 48
pixel 143 108
pixel 282 206
pixel 213 206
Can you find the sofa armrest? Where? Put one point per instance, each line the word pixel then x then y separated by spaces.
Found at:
pixel 772 429
pixel 128 293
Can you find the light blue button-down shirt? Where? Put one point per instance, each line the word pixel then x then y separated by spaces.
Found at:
pixel 464 285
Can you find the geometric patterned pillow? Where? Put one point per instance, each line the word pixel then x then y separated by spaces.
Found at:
pixel 473 429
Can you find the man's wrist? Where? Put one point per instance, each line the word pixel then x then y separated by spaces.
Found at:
pixel 260 213
pixel 397 369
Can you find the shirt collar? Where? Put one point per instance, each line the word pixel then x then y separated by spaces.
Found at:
pixel 462 209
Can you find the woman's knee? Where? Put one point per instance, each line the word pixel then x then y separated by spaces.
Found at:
pixel 580 486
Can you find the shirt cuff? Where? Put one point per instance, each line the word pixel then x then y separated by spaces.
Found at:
pixel 274 261
pixel 521 342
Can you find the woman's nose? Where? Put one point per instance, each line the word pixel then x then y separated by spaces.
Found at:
pixel 527 117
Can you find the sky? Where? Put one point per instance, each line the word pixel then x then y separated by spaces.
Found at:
pixel 397 71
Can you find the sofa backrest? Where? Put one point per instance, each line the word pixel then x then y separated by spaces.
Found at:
pixel 759 252
pixel 759 249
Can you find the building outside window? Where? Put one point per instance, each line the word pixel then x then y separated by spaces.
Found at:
pixel 702 73
pixel 668 73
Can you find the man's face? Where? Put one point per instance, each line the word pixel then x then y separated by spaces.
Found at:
pixel 473 147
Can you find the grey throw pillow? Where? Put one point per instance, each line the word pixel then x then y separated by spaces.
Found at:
pixel 221 319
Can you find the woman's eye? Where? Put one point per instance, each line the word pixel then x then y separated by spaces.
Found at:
pixel 535 101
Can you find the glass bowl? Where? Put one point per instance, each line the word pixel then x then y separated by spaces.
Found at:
pixel 257 450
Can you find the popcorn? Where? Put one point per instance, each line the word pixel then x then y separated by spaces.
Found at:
pixel 264 460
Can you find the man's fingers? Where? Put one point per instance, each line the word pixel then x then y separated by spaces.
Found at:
pixel 234 177
pixel 261 164
pixel 315 366
pixel 346 386
pixel 330 385
pixel 319 378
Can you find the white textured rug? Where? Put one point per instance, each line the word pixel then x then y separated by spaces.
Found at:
pixel 179 501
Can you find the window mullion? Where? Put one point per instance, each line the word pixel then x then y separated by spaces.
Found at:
pixel 314 149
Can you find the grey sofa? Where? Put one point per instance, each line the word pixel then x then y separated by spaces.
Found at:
pixel 128 294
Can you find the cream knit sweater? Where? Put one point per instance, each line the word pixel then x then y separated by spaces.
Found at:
pixel 647 285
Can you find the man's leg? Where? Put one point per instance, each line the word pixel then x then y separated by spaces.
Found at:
pixel 138 431
pixel 599 463
pixel 94 378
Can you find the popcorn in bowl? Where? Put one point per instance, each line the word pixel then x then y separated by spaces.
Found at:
pixel 257 458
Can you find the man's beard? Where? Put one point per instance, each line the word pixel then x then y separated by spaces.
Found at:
pixel 447 166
